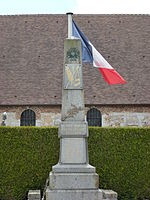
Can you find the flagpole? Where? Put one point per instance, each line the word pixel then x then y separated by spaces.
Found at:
pixel 69 24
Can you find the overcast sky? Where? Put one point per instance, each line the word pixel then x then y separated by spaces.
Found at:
pixel 75 6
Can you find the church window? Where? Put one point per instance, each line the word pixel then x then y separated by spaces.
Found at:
pixel 94 117
pixel 28 118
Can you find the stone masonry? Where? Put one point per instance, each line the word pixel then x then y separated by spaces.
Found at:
pixel 48 115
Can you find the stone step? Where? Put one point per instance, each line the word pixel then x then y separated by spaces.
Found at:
pixel 80 168
pixel 74 194
pixel 73 181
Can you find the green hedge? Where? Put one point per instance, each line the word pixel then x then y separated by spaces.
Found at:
pixel 26 158
pixel 122 160
pixel 121 157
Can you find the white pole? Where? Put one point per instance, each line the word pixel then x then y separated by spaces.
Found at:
pixel 69 24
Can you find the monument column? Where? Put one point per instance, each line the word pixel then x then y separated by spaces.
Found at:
pixel 73 178
pixel 73 130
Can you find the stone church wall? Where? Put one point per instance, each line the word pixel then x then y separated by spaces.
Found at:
pixel 119 115
pixel 45 115
pixel 126 119
pixel 111 115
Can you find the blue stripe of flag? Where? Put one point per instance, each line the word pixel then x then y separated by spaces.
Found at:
pixel 87 55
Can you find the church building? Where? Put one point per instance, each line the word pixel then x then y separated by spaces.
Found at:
pixel 31 69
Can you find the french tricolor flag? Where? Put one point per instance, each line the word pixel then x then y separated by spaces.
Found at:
pixel 91 55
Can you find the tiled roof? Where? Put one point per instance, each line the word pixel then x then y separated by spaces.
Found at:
pixel 31 58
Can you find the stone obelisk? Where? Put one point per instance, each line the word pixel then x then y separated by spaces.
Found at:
pixel 73 178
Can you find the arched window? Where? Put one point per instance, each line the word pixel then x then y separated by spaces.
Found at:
pixel 28 118
pixel 94 117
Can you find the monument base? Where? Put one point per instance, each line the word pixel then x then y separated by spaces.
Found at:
pixel 80 168
pixel 73 181
pixel 74 194
pixel 80 194
pixel 76 186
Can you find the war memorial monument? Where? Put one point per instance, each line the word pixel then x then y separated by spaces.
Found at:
pixel 73 178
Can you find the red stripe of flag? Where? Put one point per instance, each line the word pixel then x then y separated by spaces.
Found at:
pixel 111 76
